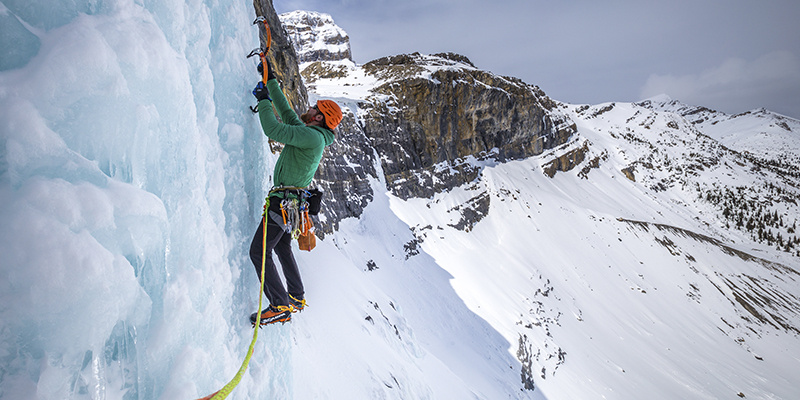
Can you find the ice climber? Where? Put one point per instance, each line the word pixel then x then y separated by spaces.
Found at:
pixel 304 137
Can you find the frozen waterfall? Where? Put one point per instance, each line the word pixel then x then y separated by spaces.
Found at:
pixel 128 160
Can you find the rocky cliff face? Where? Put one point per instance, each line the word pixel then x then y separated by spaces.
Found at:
pixel 283 57
pixel 421 123
pixel 433 122
pixel 429 116
pixel 316 37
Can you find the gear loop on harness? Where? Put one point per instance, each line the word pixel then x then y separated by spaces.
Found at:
pixel 294 209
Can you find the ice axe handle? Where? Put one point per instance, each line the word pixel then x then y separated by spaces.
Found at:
pixel 263 54
pixel 264 68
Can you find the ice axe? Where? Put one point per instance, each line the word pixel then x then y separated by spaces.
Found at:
pixel 262 53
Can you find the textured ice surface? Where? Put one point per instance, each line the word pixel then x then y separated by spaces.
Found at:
pixel 122 136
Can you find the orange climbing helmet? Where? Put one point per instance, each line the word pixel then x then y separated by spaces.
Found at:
pixel 331 111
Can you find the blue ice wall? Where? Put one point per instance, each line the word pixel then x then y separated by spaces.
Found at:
pixel 131 177
pixel 17 43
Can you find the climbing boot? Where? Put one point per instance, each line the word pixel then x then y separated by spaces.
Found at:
pixel 272 314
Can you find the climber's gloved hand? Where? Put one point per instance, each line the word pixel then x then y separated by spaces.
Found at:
pixel 261 92
pixel 270 71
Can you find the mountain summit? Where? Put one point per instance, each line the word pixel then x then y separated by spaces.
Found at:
pixel 316 37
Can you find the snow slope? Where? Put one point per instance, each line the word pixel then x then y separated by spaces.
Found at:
pixel 762 132
pixel 633 307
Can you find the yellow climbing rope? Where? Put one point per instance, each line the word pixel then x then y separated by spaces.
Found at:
pixel 226 390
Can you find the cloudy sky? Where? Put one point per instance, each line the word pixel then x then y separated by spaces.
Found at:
pixel 731 55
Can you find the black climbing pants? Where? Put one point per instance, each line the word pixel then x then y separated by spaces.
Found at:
pixel 279 241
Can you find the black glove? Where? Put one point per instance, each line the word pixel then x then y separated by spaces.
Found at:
pixel 270 71
pixel 261 92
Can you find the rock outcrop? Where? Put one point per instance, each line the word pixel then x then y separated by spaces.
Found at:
pixel 344 175
pixel 426 124
pixel 432 115
pixel 431 123
pixel 283 57
pixel 316 37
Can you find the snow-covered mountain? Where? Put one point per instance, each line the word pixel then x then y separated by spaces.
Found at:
pixel 760 132
pixel 672 180
pixel 618 250
pixel 316 36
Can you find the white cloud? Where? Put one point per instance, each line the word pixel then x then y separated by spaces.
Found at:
pixel 771 81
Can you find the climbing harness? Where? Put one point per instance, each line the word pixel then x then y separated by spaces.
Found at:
pixel 296 210
pixel 261 52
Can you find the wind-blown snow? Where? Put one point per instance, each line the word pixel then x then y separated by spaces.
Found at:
pixel 132 176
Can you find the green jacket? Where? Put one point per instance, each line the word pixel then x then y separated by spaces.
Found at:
pixel 303 144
